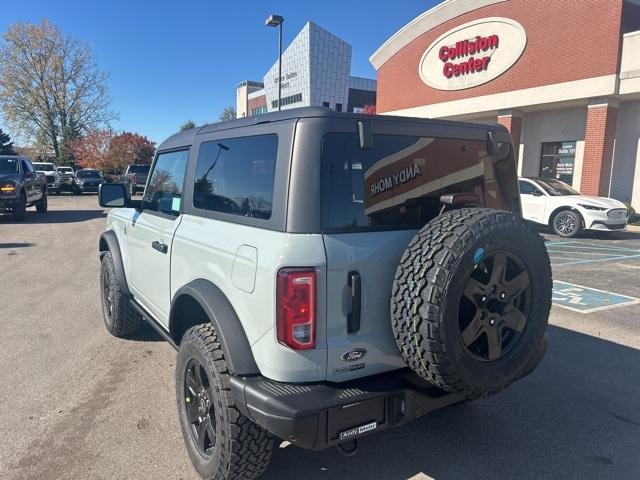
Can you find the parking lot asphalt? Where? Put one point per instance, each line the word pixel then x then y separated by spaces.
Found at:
pixel 78 403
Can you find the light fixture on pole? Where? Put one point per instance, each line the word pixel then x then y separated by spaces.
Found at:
pixel 277 21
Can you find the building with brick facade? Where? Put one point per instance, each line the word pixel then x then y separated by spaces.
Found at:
pixel 316 70
pixel 562 76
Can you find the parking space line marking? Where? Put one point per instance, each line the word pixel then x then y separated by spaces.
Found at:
pixel 579 247
pixel 595 260
pixel 585 253
pixel 566 294
pixel 569 259
pixel 590 246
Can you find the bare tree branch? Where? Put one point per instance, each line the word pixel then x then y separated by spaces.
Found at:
pixel 49 81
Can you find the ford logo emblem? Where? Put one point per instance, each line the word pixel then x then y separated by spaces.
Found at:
pixel 353 355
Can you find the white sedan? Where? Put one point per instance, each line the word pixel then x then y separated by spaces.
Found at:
pixel 551 202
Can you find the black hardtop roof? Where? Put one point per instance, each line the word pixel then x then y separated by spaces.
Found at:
pixel 186 137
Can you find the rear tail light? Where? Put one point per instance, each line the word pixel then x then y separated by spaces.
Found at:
pixel 296 308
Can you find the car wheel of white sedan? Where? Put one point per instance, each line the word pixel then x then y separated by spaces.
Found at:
pixel 567 223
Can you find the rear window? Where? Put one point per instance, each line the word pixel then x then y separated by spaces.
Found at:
pixel 87 174
pixel 44 167
pixel 398 183
pixel 236 176
pixel 139 168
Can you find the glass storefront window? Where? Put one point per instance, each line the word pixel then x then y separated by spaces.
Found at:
pixel 557 161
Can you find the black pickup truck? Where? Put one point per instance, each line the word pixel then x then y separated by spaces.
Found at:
pixel 21 186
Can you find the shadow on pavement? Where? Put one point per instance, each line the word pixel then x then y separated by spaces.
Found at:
pixel 576 416
pixel 628 235
pixel 146 334
pixel 56 216
pixel 16 245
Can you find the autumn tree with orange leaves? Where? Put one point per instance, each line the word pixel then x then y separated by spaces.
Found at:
pixel 110 153
pixel 130 148
pixel 92 150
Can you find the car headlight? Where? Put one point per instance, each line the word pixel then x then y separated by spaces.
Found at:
pixel 592 207
pixel 7 188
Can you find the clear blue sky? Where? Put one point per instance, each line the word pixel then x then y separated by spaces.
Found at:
pixel 169 61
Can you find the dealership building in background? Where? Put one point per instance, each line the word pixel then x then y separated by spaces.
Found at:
pixel 562 76
pixel 316 71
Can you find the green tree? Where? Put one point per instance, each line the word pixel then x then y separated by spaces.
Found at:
pixel 188 125
pixel 70 133
pixel 47 80
pixel 227 114
pixel 6 145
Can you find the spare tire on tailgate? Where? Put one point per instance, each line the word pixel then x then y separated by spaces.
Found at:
pixel 471 299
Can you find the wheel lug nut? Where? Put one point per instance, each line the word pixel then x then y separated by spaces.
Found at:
pixel 484 298
pixel 492 321
pixel 503 296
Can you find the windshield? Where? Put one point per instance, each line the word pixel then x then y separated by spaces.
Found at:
pixel 138 168
pixel 556 188
pixel 44 167
pixel 8 165
pixel 65 169
pixel 87 174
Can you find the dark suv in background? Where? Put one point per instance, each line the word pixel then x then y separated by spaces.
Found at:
pixel 87 181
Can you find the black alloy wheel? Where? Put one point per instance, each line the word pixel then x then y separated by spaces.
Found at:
pixel 495 306
pixel 198 403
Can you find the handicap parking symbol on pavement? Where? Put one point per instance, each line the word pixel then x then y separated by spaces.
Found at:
pixel 579 298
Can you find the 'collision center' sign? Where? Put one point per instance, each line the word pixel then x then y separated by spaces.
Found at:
pixel 472 54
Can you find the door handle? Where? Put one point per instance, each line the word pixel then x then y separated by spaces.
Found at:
pixel 353 318
pixel 161 247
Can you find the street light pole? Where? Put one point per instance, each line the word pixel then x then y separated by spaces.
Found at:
pixel 277 21
pixel 280 67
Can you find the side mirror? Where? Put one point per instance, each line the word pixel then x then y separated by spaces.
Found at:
pixel 112 195
pixel 536 193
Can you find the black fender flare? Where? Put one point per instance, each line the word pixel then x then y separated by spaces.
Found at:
pixel 225 321
pixel 109 243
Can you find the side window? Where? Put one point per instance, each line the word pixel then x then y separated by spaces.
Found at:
pixel 27 167
pixel 164 191
pixel 527 188
pixel 236 176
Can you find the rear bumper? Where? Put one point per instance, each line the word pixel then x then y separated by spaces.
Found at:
pixel 317 416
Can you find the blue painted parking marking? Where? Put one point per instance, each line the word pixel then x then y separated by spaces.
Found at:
pixel 579 298
pixel 575 252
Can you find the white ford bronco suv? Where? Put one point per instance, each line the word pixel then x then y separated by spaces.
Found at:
pixel 325 276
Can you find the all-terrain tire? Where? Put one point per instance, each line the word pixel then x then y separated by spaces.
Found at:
pixel 430 308
pixel 42 204
pixel 240 449
pixel 20 210
pixel 120 318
